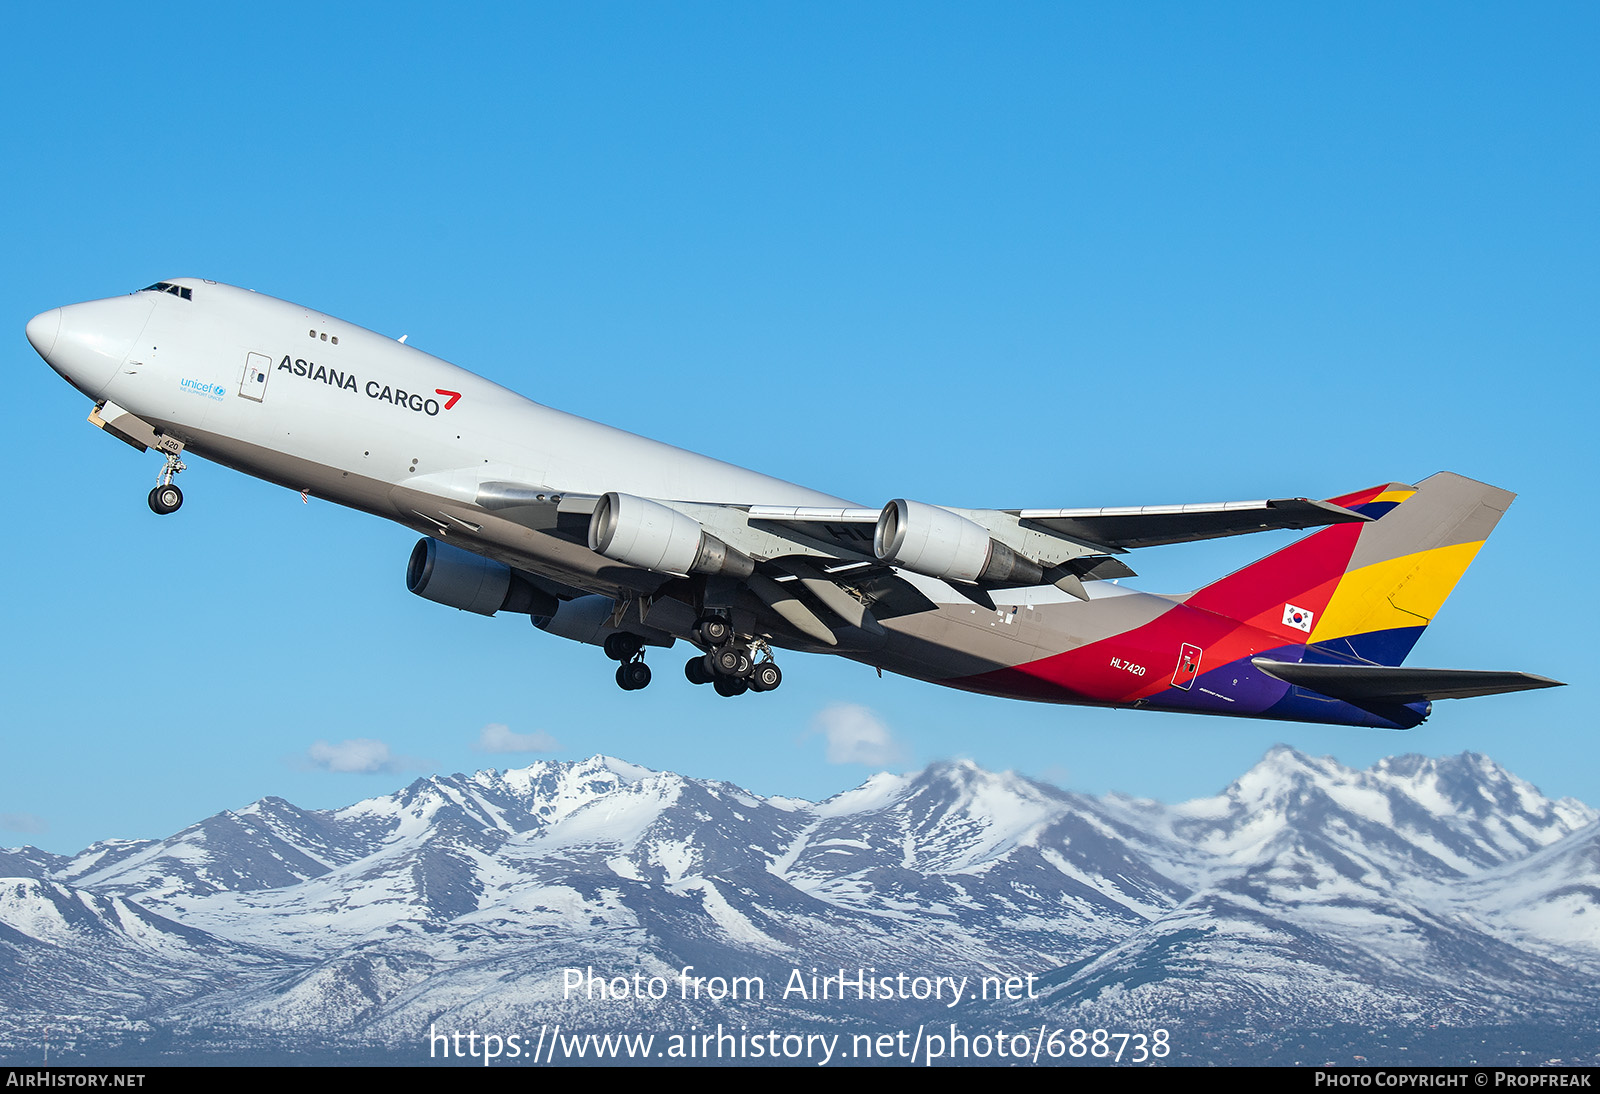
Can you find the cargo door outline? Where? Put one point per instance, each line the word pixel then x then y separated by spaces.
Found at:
pixel 1188 667
pixel 253 381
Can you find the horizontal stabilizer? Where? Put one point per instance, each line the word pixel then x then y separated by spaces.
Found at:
pixel 1365 684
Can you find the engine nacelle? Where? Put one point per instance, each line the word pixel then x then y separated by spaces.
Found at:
pixel 588 619
pixel 644 533
pixel 448 575
pixel 938 543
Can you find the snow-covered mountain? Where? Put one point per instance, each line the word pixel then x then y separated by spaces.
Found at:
pixel 1393 895
pixel 1420 891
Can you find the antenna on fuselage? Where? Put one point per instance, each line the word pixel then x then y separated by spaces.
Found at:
pixel 403 338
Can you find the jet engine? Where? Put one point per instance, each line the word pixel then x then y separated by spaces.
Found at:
pixel 449 575
pixel 938 543
pixel 652 536
pixel 588 619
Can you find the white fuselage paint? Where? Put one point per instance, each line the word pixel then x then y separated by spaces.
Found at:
pixel 329 417
pixel 357 426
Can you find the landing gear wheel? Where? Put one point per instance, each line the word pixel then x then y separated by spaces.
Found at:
pixel 729 686
pixel 729 661
pixel 622 646
pixel 633 676
pixel 765 677
pixel 713 630
pixel 165 499
pixel 697 672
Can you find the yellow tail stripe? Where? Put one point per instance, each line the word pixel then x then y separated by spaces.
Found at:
pixel 1400 592
pixel 1396 496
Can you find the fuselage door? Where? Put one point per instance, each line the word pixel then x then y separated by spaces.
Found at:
pixel 1188 666
pixel 253 384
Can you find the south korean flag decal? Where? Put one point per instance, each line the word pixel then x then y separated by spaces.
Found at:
pixel 1298 618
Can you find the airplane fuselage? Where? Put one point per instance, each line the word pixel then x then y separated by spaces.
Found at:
pixel 319 405
pixel 338 402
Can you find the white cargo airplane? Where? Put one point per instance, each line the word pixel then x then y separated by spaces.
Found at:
pixel 609 538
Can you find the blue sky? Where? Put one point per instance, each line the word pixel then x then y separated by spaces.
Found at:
pixel 1060 255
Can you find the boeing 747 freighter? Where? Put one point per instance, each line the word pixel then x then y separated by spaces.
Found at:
pixel 605 537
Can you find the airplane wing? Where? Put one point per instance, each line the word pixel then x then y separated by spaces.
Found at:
pixel 1155 525
pixel 851 563
pixel 972 549
pixel 977 550
pixel 1106 530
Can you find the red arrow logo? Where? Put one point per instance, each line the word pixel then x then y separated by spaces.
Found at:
pixel 455 397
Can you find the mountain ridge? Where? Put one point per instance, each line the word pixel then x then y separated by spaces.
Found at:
pixel 1442 889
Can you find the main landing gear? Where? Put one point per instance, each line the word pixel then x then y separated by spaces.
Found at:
pixel 633 673
pixel 731 667
pixel 166 497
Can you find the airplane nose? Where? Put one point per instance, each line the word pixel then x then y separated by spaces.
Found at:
pixel 42 331
pixel 87 343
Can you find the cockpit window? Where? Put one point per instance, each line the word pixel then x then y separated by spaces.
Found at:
pixel 168 287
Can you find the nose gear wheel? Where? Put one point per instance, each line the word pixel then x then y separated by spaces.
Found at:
pixel 166 497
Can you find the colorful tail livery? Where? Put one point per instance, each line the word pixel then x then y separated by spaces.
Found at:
pixel 1315 632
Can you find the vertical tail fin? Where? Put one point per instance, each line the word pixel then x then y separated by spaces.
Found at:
pixel 1367 591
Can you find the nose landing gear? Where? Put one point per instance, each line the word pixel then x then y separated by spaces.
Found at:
pixel 166 497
